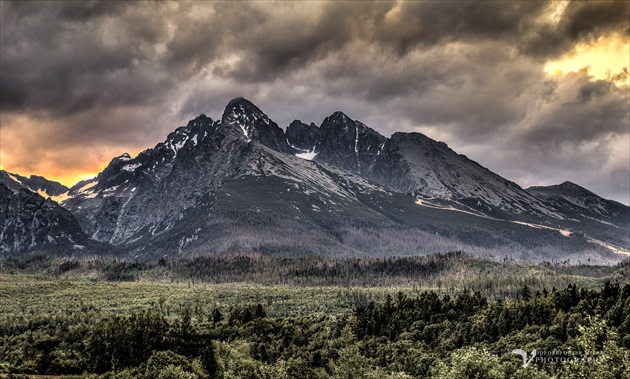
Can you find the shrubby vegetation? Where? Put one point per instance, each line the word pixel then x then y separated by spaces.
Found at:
pixel 450 272
pixel 64 318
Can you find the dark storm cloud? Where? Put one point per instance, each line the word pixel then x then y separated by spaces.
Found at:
pixel 431 23
pixel 273 45
pixel 122 74
pixel 281 46
pixel 73 56
pixel 65 61
pixel 592 19
pixel 592 109
pixel 276 45
pixel 581 21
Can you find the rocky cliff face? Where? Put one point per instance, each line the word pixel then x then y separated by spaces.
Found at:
pixel 146 195
pixel 253 125
pixel 31 224
pixel 302 136
pixel 349 144
pixel 415 164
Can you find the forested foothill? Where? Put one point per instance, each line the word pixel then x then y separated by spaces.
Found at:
pixel 253 316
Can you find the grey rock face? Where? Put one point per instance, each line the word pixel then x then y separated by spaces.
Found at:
pixel 415 164
pixel 244 117
pixel 30 223
pixel 135 198
pixel 349 144
pixel 181 185
pixel 302 136
pixel 588 213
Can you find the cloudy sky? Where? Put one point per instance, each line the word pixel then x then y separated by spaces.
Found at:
pixel 537 91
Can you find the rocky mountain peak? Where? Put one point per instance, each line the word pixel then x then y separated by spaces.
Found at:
pixel 201 119
pixel 242 113
pixel 566 189
pixel 583 205
pixel 198 125
pixel 298 124
pixel 337 120
pixel 150 164
pixel 570 186
pixel 417 138
pixel 123 157
pixel 339 115
pixel 348 144
pixel 254 125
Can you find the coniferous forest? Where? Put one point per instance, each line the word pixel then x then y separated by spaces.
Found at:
pixel 266 317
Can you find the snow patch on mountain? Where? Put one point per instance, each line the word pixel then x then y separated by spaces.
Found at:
pixel 308 155
pixel 427 203
pixel 131 167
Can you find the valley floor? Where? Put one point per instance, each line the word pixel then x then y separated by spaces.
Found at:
pixel 447 316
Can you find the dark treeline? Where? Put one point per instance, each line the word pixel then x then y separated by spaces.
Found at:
pixel 333 271
pixel 226 268
pixel 428 335
pixel 449 272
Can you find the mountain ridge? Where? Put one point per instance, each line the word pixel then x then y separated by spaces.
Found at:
pixel 329 189
pixel 30 222
pixel 34 183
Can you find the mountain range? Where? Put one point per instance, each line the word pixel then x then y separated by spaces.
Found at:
pixel 243 184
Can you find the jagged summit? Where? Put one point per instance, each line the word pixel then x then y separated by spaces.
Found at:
pixel 247 119
pixel 240 109
pixel 336 118
pixel 240 100
pixel 349 144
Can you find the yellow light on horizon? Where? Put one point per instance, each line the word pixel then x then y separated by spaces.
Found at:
pixel 71 180
pixel 67 180
pixel 604 58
